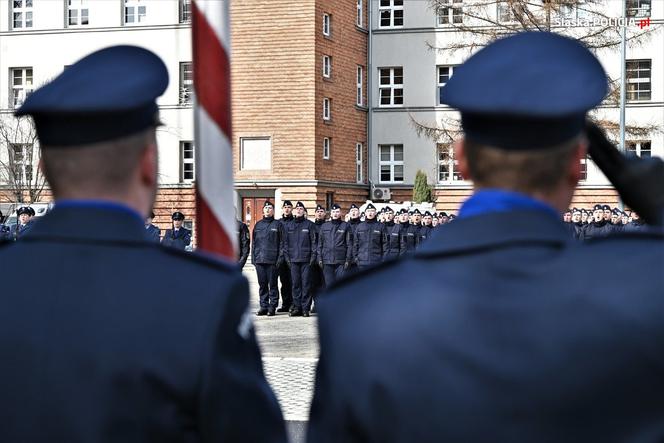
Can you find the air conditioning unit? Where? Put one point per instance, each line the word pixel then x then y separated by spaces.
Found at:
pixel 381 194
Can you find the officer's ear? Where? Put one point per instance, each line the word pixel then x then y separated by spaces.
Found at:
pixel 460 156
pixel 149 164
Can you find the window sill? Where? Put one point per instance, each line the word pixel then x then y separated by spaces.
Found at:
pixel 362 108
pixel 327 122
pixel 328 37
pixel 361 29
pixel 328 79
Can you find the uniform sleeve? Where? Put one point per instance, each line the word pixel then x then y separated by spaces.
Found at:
pixel 187 238
pixel 236 403
pixel 253 245
pixel 349 244
pixel 356 246
pixel 244 244
pixel 313 238
pixel 283 242
pixel 319 245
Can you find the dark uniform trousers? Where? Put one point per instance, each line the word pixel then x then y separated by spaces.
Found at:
pixel 285 276
pixel 301 278
pixel 332 273
pixel 268 292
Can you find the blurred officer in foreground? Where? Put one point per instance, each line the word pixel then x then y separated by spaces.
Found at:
pixel 178 237
pixel 267 255
pixel 152 231
pixel 99 350
pixel 244 243
pixel 495 346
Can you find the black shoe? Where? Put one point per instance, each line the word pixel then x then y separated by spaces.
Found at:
pixel 305 314
pixel 261 311
pixel 270 312
pixel 284 309
pixel 295 313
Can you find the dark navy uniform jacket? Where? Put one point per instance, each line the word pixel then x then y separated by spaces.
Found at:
pixel 153 233
pixel 179 240
pixel 268 241
pixel 597 230
pixel 510 336
pixel 243 243
pixel 335 243
pixel 17 231
pixel 635 226
pixel 99 350
pixel 410 237
pixel 424 234
pixel 300 241
pixel 392 241
pixel 368 244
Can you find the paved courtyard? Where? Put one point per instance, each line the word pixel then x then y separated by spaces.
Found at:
pixel 290 352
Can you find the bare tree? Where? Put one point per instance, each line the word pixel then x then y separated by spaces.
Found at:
pixel 479 22
pixel 19 159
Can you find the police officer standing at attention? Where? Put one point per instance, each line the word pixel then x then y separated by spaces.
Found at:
pixel 599 227
pixel 335 246
pixel 410 234
pixel 152 232
pixel 392 236
pixel 99 350
pixel 267 255
pixel 22 226
pixel 426 229
pixel 317 280
pixel 284 270
pixel 244 243
pixel 300 254
pixel 500 349
pixel 178 237
pixel 369 241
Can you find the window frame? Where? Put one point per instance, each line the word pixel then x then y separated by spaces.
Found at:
pixel 187 145
pixel 136 6
pixel 327 108
pixel 327 144
pixel 453 174
pixel 392 9
pixel 635 95
pixel 392 163
pixel 638 11
pixel 327 24
pixel 448 12
pixel 186 90
pixel 24 165
pixel 327 66
pixel 359 86
pixel 639 147
pixel 439 84
pixel 79 7
pixel 25 11
pixel 184 11
pixel 23 90
pixel 392 86
pixel 359 163
pixel 359 19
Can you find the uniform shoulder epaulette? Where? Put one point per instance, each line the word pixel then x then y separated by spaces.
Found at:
pixel 201 258
pixel 343 281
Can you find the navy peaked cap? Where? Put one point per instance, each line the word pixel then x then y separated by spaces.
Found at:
pixel 335 206
pixel 268 203
pixel 287 203
pixel 370 206
pixel 299 205
pixel 23 210
pixel 528 91
pixel 319 208
pixel 106 95
pixel 177 216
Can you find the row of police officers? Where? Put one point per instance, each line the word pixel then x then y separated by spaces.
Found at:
pixel 601 221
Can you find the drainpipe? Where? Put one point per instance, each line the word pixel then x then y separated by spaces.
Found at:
pixel 369 93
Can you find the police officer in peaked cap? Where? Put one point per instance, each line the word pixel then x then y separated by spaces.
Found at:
pixel 101 348
pixel 152 231
pixel 494 346
pixel 23 224
pixel 178 236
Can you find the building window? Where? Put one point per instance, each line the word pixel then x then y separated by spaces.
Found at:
pixel 21 85
pixel 584 169
pixel 134 11
pixel 639 148
pixel 327 66
pixel 186 83
pixel 450 12
pixel 327 25
pixel 359 167
pixel 77 12
pixel 327 109
pixel 185 11
pixel 638 79
pixel 391 13
pixel 326 148
pixel 256 153
pixel 444 74
pixel 21 162
pixel 638 8
pixel 21 14
pixel 360 89
pixel 187 162
pixel 448 167
pixel 329 200
pixel 391 163
pixel 391 86
pixel 359 19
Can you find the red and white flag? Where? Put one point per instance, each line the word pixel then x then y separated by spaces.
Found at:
pixel 215 210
